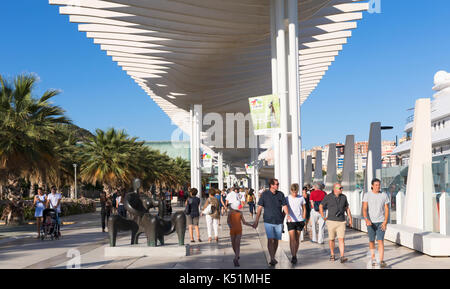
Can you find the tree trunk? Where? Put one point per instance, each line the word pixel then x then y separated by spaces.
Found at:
pixel 32 191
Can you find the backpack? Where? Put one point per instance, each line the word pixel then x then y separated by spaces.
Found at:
pixel 249 198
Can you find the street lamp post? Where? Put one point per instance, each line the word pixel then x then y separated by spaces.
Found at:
pixel 75 168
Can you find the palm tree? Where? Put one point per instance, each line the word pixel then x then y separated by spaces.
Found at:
pixel 27 128
pixel 108 158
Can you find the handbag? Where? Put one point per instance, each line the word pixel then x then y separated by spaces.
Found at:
pixel 187 210
pixel 207 210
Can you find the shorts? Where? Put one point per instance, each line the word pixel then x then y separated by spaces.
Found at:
pixel 192 220
pixel 336 228
pixel 273 231
pixel 375 231
pixel 297 226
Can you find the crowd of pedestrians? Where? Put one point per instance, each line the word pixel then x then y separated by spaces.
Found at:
pixel 311 206
pixel 306 213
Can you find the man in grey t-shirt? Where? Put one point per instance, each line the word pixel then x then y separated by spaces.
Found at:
pixel 376 214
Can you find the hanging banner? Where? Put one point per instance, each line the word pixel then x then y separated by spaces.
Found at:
pixel 249 169
pixel 265 112
pixel 206 163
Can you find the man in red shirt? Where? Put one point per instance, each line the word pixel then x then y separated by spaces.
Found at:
pixel 316 198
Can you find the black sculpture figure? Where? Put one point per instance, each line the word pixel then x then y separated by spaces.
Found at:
pixel 154 227
pixel 119 223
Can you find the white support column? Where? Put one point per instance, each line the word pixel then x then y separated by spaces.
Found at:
pixel 283 95
pixel 318 175
pixel 220 170
pixel 418 211
pixel 294 101
pixel 444 212
pixel 373 162
pixel 400 203
pixel 195 117
pixel 331 177
pixel 348 175
pixel 273 44
pixel 308 170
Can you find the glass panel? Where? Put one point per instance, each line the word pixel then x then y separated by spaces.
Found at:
pixel 393 180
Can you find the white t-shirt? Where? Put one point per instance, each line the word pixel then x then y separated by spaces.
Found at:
pixel 53 198
pixel 295 206
pixel 234 199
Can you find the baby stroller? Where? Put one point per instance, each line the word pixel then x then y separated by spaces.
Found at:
pixel 50 226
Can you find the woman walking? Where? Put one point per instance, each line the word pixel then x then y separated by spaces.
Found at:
pixel 251 201
pixel 212 219
pixel 308 209
pixel 223 198
pixel 235 221
pixel 105 212
pixel 192 212
pixel 120 206
pixel 297 211
pixel 39 203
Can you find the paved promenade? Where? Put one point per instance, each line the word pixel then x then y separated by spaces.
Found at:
pixel 19 250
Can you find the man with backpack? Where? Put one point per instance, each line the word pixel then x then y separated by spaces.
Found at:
pixel 316 199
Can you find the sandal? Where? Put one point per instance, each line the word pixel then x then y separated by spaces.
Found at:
pixel 192 241
pixel 332 258
pixel 383 264
pixel 343 260
pixel 199 239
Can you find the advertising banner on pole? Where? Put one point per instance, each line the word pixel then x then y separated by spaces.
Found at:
pixel 265 112
pixel 206 163
pixel 249 169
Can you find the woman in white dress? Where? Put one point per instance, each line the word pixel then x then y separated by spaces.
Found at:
pixel 39 203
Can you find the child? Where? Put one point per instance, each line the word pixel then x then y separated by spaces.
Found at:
pixel 48 224
pixel 235 221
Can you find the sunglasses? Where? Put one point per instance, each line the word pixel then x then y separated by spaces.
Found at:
pixel 277 184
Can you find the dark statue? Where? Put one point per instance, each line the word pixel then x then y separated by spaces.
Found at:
pixel 154 227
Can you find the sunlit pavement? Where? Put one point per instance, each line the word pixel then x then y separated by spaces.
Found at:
pixel 19 249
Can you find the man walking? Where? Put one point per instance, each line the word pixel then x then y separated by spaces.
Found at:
pixel 275 208
pixel 376 214
pixel 337 205
pixel 316 198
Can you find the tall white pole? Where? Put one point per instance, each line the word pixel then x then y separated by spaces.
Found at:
pixel 76 191
pixel 294 95
pixel 220 172
pixel 273 43
pixel 191 139
pixel 282 94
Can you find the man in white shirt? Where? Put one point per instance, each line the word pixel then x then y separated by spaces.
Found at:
pixel 54 202
pixel 235 200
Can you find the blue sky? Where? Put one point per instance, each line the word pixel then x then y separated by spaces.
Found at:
pixel 389 62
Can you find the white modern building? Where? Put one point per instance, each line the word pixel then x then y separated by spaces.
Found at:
pixel 440 121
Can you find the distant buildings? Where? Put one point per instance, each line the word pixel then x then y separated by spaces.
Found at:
pixel 361 149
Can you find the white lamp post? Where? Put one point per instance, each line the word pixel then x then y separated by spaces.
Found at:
pixel 75 168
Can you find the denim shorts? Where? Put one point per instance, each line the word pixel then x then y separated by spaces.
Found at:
pixel 375 231
pixel 273 231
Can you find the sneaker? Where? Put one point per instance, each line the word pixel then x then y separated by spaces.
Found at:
pixel 343 260
pixel 294 260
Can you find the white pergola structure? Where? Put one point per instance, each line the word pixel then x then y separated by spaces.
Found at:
pixel 218 53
